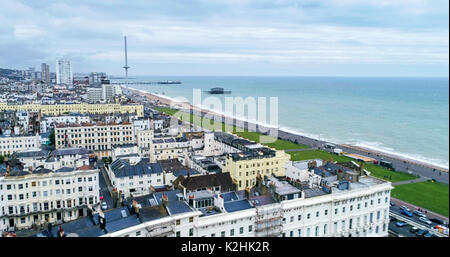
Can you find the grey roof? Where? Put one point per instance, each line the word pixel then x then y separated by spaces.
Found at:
pixel 69 151
pixel 174 206
pixel 229 196
pixel 237 205
pixel 65 169
pixel 28 154
pixel 184 173
pixel 41 170
pixel 122 168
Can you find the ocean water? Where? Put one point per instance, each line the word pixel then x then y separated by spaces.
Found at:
pixel 406 116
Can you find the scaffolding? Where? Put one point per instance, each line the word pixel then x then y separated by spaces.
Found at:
pixel 165 229
pixel 268 222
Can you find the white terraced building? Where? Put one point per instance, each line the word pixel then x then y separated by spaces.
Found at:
pixel 362 210
pixel 11 144
pixel 169 148
pixel 55 195
pixel 102 138
pixel 48 122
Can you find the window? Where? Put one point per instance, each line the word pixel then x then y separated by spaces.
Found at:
pixel 299 232
pixel 326 212
pixel 191 219
pixel 317 231
pixel 178 234
pixel 317 214
pixel 335 211
pixel 232 232
pixel 292 218
pixel 299 217
pixel 178 222
pixel 291 234
pixel 138 233
pixel 308 216
pixel 241 230
pixel 222 234
pixel 250 228
pixel 191 232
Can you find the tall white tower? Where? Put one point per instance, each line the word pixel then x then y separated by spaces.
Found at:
pixel 126 67
pixel 64 72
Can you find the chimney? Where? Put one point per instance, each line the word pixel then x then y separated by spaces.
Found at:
pixel 164 202
pixel 247 193
pixel 340 175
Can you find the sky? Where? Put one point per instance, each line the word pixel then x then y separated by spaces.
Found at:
pixel 230 37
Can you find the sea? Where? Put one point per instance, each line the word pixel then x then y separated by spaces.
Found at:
pixel 404 116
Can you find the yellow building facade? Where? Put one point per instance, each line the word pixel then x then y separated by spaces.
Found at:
pixel 59 109
pixel 244 171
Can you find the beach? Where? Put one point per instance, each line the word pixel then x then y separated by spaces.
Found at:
pixel 424 169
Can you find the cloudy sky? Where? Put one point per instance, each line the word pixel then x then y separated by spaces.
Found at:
pixel 230 37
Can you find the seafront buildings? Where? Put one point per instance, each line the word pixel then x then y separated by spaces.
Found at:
pixel 80 158
pixel 61 109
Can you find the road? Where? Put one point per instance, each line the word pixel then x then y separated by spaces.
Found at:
pixel 103 182
pixel 395 211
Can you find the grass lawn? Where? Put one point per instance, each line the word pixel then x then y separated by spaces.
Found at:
pixel 278 144
pixel 393 176
pixel 317 154
pixel 429 195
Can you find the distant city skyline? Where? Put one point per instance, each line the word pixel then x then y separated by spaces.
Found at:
pixel 230 37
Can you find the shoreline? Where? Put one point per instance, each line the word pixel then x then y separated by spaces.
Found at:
pixel 291 134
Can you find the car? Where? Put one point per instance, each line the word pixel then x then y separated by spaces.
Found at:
pixel 405 208
pixel 406 213
pixel 421 232
pixel 419 213
pixel 101 197
pixel 414 229
pixel 401 224
pixel 392 218
pixel 425 220
pixel 429 235
pixel 104 206
pixel 437 221
pixel 391 203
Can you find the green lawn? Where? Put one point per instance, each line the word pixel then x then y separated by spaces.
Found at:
pixel 392 176
pixel 429 195
pixel 317 154
pixel 278 144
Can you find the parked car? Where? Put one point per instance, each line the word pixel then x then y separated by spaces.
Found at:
pixel 392 218
pixel 414 229
pixel 425 220
pixel 391 203
pixel 429 235
pixel 405 208
pixel 401 224
pixel 437 221
pixel 406 213
pixel 104 206
pixel 419 213
pixel 421 232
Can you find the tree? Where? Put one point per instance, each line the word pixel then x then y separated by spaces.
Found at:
pixel 2 159
pixel 51 137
